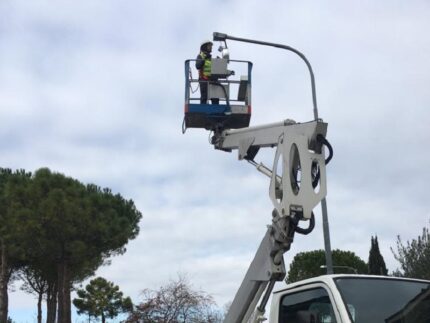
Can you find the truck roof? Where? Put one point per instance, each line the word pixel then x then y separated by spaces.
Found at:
pixel 329 279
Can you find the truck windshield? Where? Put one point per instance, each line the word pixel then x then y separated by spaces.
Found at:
pixel 373 300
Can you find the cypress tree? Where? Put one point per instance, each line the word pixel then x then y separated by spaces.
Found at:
pixel 376 261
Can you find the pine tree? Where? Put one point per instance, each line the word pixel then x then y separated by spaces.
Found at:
pixel 376 261
pixel 102 298
pixel 77 228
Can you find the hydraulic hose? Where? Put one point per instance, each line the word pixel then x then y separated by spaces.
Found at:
pixel 308 229
pixel 324 141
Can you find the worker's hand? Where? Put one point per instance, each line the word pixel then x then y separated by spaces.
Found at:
pixel 232 73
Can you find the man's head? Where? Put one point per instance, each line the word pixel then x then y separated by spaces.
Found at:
pixel 206 46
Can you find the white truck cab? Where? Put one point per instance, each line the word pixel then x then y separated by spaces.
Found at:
pixel 352 298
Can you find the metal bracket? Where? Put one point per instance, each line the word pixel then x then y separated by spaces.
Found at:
pixel 297 163
pixel 244 145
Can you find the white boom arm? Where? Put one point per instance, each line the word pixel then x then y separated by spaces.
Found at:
pixel 300 153
pixel 294 194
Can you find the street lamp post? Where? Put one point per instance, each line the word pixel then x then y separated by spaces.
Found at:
pixel 223 37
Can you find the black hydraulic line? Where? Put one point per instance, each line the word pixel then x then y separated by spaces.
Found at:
pixel 316 180
pixel 266 296
pixel 308 229
pixel 324 141
pixel 321 139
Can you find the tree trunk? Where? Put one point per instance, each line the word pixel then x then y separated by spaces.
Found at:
pixel 64 301
pixel 51 302
pixel 60 292
pixel 103 318
pixel 4 280
pixel 67 297
pixel 39 308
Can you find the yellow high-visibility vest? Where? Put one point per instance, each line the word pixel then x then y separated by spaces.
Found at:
pixel 205 72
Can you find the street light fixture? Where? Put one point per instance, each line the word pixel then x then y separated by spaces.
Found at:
pixel 223 37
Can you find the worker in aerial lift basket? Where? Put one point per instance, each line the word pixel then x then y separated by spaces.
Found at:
pixel 204 65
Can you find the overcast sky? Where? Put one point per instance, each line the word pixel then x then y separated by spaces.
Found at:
pixel 95 90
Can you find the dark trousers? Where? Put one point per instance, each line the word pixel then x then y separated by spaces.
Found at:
pixel 204 84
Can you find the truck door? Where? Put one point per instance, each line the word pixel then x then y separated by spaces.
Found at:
pixel 311 305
